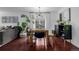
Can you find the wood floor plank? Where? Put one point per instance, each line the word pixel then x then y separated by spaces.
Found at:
pixel 21 44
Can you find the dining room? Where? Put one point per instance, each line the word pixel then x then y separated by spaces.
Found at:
pixel 38 28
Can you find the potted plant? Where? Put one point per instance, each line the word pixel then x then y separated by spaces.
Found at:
pixel 61 22
pixel 66 25
pixel 24 23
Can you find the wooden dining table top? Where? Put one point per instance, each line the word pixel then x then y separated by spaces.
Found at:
pixel 39 30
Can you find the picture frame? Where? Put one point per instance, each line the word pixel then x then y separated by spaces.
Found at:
pixel 9 19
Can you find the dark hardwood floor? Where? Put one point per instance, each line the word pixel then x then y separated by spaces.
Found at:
pixel 21 44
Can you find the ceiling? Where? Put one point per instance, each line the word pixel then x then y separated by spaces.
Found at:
pixel 31 9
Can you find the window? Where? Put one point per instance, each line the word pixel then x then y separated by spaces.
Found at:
pixel 38 21
pixel 40 24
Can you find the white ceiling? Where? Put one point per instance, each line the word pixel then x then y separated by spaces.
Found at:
pixel 31 9
pixel 42 9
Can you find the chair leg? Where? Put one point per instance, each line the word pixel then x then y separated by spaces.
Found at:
pixel 35 41
pixel 45 43
pixel 64 44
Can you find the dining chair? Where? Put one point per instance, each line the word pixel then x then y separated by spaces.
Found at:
pixel 39 36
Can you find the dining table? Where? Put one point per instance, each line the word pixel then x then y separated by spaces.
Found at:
pixel 39 30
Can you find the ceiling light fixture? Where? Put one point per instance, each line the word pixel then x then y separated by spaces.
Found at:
pixel 39 15
pixel 39 11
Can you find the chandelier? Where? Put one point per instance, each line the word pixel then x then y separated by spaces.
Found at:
pixel 39 15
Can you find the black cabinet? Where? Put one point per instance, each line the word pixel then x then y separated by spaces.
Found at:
pixel 64 31
pixel 67 31
pixel 60 30
pixel 1 37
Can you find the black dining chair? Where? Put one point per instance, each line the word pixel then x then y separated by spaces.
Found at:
pixel 39 35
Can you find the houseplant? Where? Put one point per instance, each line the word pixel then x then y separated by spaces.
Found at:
pixel 66 25
pixel 61 22
pixel 23 23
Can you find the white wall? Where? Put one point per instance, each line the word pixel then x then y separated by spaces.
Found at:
pixel 53 17
pixel 52 21
pixel 74 22
pixel 75 25
pixel 10 13
pixel 65 13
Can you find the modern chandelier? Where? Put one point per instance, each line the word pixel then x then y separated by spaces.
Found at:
pixel 39 15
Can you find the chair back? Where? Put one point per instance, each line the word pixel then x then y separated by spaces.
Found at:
pixel 39 34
